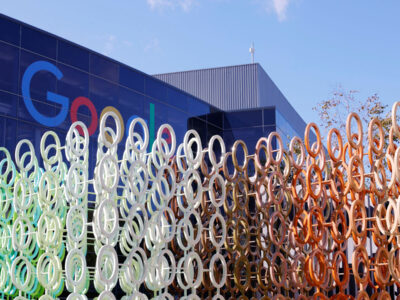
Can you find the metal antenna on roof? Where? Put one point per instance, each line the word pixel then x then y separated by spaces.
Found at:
pixel 252 50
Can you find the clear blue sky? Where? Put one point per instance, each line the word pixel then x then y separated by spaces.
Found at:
pixel 308 47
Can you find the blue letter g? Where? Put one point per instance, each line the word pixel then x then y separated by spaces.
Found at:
pixel 64 101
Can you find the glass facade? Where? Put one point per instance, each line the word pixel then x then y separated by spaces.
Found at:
pixel 84 74
pixel 285 129
pixel 248 125
pixel 91 82
pixel 47 82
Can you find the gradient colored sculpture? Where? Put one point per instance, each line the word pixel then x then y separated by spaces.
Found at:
pixel 187 222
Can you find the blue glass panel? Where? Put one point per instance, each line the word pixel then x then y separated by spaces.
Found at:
pixel 25 130
pixel 130 103
pixel 38 42
pixel 131 78
pixel 62 134
pixel 200 126
pixel 229 139
pixel 179 121
pixel 104 67
pixel 10 128
pixel 102 93
pixel 155 89
pixel 177 98
pixel 216 118
pixel 269 116
pixel 73 55
pixel 285 127
pixel 160 114
pixel 42 82
pixel 213 130
pixel 3 133
pixel 9 31
pixel 268 130
pixel 74 83
pixel 9 59
pixel 43 108
pixel 92 155
pixel 83 116
pixel 197 108
pixel 67 122
pixel 146 107
pixel 8 104
pixel 249 135
pixel 285 138
pixel 243 119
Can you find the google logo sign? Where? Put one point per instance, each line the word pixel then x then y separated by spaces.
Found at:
pixel 75 105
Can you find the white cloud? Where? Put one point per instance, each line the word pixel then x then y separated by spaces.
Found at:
pixel 185 5
pixel 158 4
pixel 280 7
pixel 111 44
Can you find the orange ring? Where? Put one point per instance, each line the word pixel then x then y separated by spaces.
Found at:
pixel 309 185
pixel 359 128
pixel 295 192
pixel 382 273
pixel 360 254
pixel 295 271
pixel 292 151
pixel 283 265
pixel 335 271
pixel 394 267
pixel 305 227
pixel 362 295
pixel 337 195
pixel 271 185
pixel 315 211
pixel 307 139
pixel 260 196
pixel 354 214
pixel 339 238
pixel 377 150
pixel 352 182
pixel 331 151
pixel 320 296
pixel 274 216
pixel 392 146
pixel 260 146
pixel 395 126
pixel 384 295
pixel 271 157
pixel 316 279
pixel 379 186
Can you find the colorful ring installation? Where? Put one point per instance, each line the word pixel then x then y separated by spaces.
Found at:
pixel 172 220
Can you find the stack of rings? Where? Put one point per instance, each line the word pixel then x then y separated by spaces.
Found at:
pixel 172 220
pixel 77 277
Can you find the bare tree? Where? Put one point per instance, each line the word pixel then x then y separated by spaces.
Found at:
pixel 334 111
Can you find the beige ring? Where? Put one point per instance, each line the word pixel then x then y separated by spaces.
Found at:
pixel 359 128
